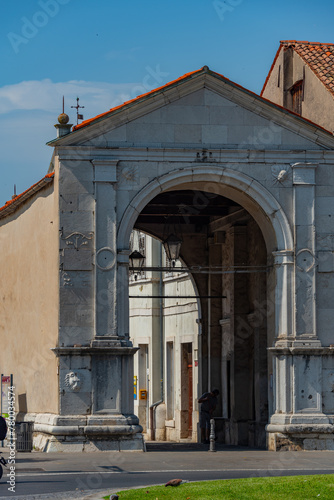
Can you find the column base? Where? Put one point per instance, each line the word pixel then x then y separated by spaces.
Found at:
pixel 76 433
pixel 307 433
pixel 306 342
pixel 50 444
pixel 111 341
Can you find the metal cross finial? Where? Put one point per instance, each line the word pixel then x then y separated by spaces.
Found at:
pixel 77 107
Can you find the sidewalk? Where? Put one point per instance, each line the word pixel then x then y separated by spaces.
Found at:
pixel 172 458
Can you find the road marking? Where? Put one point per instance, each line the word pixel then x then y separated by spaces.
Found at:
pixel 169 471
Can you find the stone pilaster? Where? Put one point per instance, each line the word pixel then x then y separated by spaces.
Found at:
pixel 299 416
pixel 76 251
pixel 305 268
pixel 105 178
pixel 284 296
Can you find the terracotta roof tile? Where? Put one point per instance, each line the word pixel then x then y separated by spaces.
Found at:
pixel 12 204
pixel 187 75
pixel 318 56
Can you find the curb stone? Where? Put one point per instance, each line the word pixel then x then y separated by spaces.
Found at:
pixel 66 495
pixel 76 495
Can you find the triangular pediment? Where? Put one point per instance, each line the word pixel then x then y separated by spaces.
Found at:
pixel 206 112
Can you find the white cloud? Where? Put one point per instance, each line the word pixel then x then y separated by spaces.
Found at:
pixel 46 95
pixel 28 112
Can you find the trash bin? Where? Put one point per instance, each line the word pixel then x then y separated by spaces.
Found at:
pixel 23 436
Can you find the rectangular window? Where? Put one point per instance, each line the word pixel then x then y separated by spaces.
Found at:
pixel 297 97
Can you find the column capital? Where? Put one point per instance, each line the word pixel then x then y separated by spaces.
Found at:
pixel 304 173
pixel 123 256
pixel 105 170
pixel 283 257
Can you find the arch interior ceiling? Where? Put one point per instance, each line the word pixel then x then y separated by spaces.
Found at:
pixel 189 212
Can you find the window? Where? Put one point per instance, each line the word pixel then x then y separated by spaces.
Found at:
pixel 297 97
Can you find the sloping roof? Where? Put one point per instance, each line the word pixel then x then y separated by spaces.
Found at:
pixel 18 200
pixel 138 98
pixel 318 56
pixel 174 83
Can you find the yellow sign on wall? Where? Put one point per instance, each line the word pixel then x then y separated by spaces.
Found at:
pixel 135 387
pixel 143 394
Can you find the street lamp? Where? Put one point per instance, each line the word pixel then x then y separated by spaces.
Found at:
pixel 172 246
pixel 136 262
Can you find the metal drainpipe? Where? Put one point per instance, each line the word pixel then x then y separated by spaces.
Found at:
pixel 161 327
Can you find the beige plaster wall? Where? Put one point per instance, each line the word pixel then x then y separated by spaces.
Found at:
pixel 318 104
pixel 29 301
pixel 273 92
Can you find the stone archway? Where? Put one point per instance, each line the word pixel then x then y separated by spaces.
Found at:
pixel 258 202
pixel 250 194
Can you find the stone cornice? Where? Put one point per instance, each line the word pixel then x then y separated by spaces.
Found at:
pixel 301 428
pixel 303 351
pixel 188 153
pixel 80 351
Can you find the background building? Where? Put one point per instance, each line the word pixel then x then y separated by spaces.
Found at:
pixel 301 79
pixel 166 332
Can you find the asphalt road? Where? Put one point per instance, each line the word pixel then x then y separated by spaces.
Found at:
pixel 75 475
pixel 52 484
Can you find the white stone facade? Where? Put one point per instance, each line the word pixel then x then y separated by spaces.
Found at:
pixel 200 133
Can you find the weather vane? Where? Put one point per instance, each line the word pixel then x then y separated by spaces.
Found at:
pixel 77 107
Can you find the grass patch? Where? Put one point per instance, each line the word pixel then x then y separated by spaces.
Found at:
pixel 294 487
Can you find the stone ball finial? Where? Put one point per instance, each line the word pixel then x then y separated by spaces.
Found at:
pixel 63 118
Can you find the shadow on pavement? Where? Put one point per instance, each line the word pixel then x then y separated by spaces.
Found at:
pixel 168 446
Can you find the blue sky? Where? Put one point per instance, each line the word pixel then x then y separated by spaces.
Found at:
pixel 106 52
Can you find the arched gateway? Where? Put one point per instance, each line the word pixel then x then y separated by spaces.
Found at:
pixel 242 337
pixel 261 179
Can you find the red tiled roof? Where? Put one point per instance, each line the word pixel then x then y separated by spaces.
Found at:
pixel 90 120
pixel 318 56
pixel 12 204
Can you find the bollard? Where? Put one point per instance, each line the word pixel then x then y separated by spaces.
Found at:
pixel 212 435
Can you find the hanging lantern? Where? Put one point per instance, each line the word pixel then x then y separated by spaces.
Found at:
pixel 172 246
pixel 136 262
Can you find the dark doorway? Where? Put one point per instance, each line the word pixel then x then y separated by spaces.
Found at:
pixel 186 390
